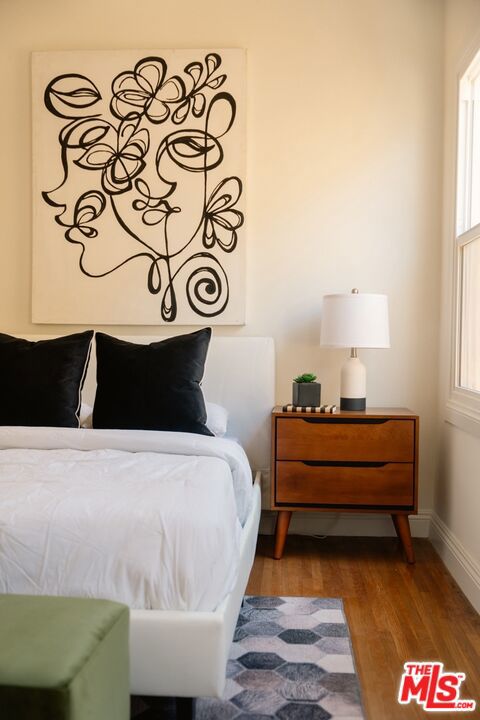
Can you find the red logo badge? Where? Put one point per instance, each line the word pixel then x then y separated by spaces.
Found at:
pixel 430 686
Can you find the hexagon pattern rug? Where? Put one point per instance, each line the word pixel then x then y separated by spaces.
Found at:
pixel 291 659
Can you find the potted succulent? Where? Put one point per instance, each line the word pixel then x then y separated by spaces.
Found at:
pixel 306 392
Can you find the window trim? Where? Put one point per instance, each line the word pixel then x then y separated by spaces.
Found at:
pixel 462 406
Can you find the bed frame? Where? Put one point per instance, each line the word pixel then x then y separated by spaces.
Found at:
pixel 182 653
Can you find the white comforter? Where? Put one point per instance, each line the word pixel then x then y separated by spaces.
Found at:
pixel 152 519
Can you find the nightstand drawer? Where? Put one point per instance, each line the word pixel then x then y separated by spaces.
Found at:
pixel 352 440
pixel 391 484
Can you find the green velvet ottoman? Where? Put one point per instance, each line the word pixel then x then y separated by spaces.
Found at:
pixel 63 659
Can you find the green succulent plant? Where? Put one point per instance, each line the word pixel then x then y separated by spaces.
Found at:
pixel 305 378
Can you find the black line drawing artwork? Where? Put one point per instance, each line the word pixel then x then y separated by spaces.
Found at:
pixel 171 212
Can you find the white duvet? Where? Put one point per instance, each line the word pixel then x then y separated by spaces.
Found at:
pixel 152 519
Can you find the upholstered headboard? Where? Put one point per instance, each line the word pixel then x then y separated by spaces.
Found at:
pixel 239 374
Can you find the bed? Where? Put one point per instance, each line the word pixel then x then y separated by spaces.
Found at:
pixel 182 650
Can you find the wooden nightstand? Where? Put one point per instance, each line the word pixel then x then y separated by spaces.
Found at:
pixel 363 461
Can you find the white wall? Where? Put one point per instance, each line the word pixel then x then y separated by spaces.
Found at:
pixel 343 168
pixel 456 527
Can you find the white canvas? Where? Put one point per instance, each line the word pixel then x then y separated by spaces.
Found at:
pixel 138 187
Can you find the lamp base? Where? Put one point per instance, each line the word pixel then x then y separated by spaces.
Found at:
pixel 353 384
pixel 353 403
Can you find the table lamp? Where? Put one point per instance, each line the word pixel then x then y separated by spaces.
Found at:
pixel 354 320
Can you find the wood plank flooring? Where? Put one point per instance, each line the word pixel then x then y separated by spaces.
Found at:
pixel 396 612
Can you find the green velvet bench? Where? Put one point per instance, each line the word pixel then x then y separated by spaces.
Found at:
pixel 63 659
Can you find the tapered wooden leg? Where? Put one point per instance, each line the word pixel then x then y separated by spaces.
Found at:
pixel 402 527
pixel 283 521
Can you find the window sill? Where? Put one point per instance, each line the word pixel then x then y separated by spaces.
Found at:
pixel 463 416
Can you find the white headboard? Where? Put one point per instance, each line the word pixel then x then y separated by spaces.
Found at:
pixel 239 374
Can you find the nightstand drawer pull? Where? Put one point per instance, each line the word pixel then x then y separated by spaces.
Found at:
pixel 346 421
pixel 342 463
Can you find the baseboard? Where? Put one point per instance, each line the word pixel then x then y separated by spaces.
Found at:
pixel 460 563
pixel 346 524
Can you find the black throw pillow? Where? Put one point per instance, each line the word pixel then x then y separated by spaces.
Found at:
pixel 41 382
pixel 152 387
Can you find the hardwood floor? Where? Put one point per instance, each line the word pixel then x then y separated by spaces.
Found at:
pixel 396 612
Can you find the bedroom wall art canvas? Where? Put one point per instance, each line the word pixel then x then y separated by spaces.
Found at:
pixel 138 187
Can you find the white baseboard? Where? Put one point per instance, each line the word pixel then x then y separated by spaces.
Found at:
pixel 346 524
pixel 460 563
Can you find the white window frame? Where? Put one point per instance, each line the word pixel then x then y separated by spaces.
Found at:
pixel 463 405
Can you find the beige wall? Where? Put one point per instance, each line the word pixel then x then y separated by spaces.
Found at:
pixel 458 491
pixel 344 167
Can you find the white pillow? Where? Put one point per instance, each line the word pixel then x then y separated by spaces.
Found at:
pixel 217 419
pixel 86 412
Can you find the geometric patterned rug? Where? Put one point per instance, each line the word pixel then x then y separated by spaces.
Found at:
pixel 291 659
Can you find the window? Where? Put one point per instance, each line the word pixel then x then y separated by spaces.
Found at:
pixel 467 237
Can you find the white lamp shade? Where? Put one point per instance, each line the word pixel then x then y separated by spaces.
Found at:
pixel 355 320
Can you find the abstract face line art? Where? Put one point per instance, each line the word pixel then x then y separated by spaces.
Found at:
pixel 142 179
